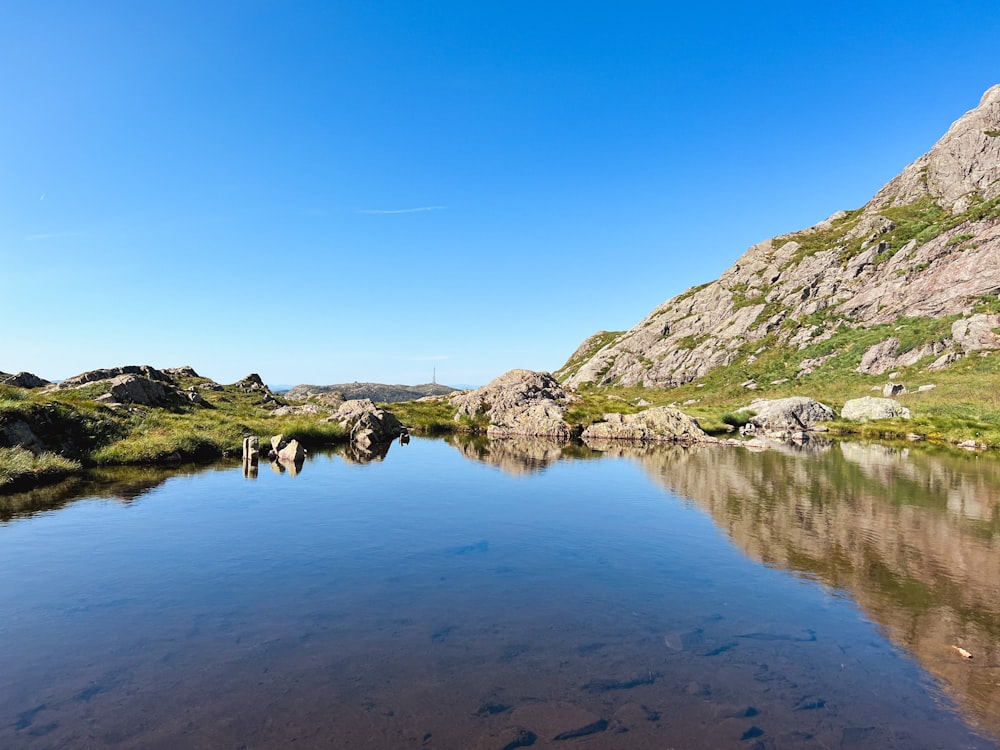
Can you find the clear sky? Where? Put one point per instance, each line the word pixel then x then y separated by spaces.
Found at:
pixel 329 191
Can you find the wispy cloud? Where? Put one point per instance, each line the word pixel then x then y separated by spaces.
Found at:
pixel 401 210
pixel 53 235
pixel 395 356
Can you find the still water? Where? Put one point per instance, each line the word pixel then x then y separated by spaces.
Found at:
pixel 510 594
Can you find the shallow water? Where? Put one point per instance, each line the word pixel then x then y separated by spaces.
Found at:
pixel 534 596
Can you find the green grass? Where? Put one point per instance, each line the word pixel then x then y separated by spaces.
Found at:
pixel 428 416
pixel 20 468
pixel 88 433
pixel 593 345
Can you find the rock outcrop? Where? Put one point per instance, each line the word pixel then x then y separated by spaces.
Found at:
pixel 783 416
pixel 870 408
pixel 139 385
pixel 661 424
pixel 93 376
pixel 519 402
pixel 136 389
pixel 367 424
pixel 927 245
pixel 977 332
pixel 23 380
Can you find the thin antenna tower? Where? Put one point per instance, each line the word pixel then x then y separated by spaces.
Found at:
pixel 434 377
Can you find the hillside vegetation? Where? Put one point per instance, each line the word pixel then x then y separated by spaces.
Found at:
pixel 51 431
pixel 906 288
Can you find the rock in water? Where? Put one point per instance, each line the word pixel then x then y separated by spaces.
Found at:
pixel 366 423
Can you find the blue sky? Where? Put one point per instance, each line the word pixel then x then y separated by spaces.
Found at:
pixel 334 191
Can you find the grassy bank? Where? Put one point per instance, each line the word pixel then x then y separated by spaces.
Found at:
pixel 20 468
pixel 963 405
pixel 79 432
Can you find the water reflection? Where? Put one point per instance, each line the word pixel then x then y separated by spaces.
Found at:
pixel 125 484
pixel 433 602
pixel 519 455
pixel 913 538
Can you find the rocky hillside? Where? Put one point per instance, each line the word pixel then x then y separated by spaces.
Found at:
pixel 377 392
pixel 917 269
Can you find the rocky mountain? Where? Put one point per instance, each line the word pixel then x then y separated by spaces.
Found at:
pixel 378 392
pixel 917 267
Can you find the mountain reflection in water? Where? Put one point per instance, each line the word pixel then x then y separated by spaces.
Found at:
pixel 538 595
pixel 913 538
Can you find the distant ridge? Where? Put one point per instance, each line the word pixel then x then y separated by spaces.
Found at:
pixel 377 392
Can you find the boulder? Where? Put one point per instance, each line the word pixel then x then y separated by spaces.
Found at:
pixel 893 389
pixel 182 372
pixel 251 382
pixel 660 424
pixel 882 357
pixel 366 423
pixel 786 415
pixel 18 433
pixel 977 332
pixel 519 402
pixel 300 410
pixel 136 389
pixel 192 395
pixel 23 380
pixel 92 376
pixel 870 408
pixel 292 453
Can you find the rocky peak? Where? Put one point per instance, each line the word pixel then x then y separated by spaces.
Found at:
pixel 926 246
pixel 966 161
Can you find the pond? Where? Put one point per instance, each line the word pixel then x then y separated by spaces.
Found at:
pixel 506 594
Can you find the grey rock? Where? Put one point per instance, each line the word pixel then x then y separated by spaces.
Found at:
pixel 774 287
pixel 292 453
pixel 519 402
pixel 660 425
pixel 181 372
pixel 870 408
pixel 136 389
pixel 23 380
pixel 18 433
pixel 944 360
pixel 977 332
pixel 366 423
pixel 194 396
pixel 93 376
pixel 893 389
pixel 300 410
pixel 251 382
pixel 785 416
